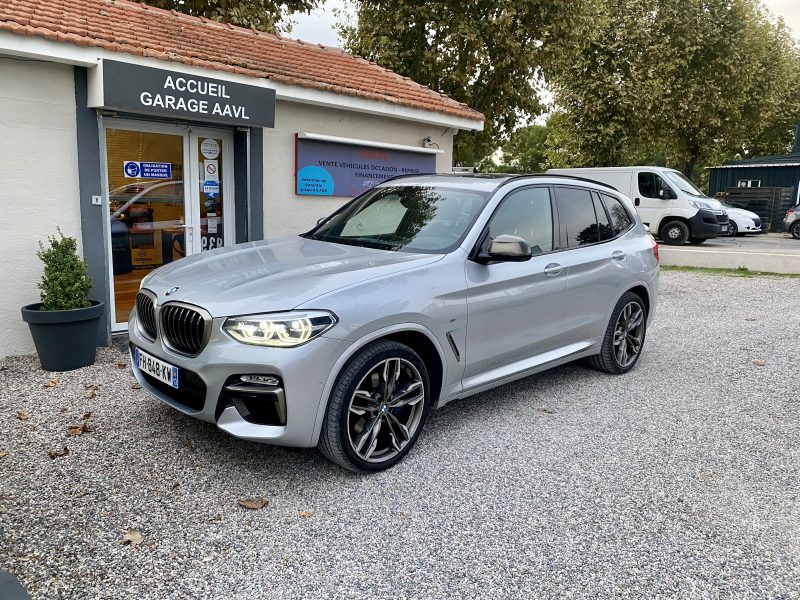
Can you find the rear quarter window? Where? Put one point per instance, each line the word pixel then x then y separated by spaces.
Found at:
pixel 621 220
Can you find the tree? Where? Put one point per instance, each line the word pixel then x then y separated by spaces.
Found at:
pixel 265 15
pixel 691 82
pixel 487 54
pixel 526 150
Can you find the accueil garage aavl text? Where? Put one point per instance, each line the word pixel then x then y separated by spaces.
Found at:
pixel 137 89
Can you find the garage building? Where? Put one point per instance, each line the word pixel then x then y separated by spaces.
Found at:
pixel 151 135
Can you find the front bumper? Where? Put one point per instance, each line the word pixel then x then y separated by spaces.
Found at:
pixel 303 371
pixel 708 224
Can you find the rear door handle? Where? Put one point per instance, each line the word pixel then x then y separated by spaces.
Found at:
pixel 618 255
pixel 552 269
pixel 636 202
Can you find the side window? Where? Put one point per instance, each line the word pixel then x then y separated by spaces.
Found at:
pixel 604 227
pixel 528 214
pixel 620 219
pixel 577 217
pixel 650 186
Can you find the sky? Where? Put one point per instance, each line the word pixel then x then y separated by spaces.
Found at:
pixel 318 26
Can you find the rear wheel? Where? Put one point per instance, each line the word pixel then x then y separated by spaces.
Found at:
pixel 795 230
pixel 624 338
pixel 377 408
pixel 674 233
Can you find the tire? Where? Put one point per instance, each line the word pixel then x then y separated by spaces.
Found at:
pixel 795 230
pixel 674 233
pixel 697 241
pixel 733 230
pixel 608 359
pixel 361 433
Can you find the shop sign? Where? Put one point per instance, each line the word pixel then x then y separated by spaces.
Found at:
pixel 137 89
pixel 147 170
pixel 335 169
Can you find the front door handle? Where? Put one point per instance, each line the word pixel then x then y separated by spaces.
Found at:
pixel 618 255
pixel 636 202
pixel 552 269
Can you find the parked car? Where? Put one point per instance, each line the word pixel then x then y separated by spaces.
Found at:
pixel 791 222
pixel 674 209
pixel 741 221
pixel 423 290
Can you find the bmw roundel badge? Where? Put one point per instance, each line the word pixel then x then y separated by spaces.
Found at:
pixel 171 291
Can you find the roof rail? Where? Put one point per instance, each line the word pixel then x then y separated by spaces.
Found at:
pixel 575 177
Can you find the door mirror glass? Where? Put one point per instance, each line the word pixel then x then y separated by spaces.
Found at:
pixel 507 248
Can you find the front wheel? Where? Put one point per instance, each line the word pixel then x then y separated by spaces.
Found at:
pixel 675 233
pixel 795 230
pixel 377 408
pixel 624 338
pixel 733 230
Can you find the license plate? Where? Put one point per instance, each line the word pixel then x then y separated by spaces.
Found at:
pixel 723 229
pixel 155 367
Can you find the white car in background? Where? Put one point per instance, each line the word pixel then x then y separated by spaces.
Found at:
pixel 741 221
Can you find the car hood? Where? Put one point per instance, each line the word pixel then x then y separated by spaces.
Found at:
pixel 740 212
pixel 275 275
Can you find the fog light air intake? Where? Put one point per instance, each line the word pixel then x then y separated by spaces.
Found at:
pixel 259 399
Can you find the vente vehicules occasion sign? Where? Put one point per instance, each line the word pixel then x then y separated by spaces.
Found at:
pixel 144 90
pixel 334 169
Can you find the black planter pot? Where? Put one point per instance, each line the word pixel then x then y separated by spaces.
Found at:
pixel 64 339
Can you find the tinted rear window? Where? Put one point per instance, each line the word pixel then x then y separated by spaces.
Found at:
pixel 620 219
pixel 577 217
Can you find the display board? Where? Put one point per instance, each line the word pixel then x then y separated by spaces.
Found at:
pixel 335 169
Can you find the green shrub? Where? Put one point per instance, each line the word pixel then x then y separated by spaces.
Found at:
pixel 65 283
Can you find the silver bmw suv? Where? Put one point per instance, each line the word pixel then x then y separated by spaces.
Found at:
pixel 422 290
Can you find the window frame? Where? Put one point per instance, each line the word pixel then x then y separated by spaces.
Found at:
pixel 477 248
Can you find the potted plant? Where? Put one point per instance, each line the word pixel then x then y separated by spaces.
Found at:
pixel 64 324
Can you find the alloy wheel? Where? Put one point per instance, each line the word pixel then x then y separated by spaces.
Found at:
pixel 629 334
pixel 386 410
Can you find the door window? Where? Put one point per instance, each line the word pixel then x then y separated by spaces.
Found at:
pixel 209 168
pixel 146 208
pixel 651 186
pixel 526 213
pixel 577 217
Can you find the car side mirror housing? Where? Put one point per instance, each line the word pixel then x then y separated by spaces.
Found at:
pixel 505 248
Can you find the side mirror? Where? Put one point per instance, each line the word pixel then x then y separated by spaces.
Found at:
pixel 506 248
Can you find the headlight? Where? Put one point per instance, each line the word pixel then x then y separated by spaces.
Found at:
pixel 279 330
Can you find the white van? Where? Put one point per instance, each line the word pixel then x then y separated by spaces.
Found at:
pixel 670 204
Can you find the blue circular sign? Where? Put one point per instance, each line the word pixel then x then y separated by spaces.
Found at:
pixel 132 169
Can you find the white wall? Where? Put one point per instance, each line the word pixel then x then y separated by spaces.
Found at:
pixel 38 182
pixel 284 211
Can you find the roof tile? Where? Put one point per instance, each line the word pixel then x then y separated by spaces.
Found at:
pixel 144 30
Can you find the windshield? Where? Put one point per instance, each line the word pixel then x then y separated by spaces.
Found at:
pixel 411 218
pixel 683 183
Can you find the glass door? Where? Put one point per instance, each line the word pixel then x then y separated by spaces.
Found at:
pixel 170 195
pixel 148 205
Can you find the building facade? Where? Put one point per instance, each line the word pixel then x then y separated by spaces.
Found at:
pixel 150 135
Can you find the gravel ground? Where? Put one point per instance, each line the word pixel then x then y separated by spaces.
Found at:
pixel 679 479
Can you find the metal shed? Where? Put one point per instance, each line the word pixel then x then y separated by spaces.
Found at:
pixel 781 170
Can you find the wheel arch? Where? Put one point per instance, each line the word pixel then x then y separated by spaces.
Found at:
pixel 641 290
pixel 413 335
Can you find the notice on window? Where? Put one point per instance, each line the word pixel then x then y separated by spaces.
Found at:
pixel 134 169
pixel 335 169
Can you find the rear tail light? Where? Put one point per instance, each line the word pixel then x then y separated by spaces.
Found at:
pixel 655 249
